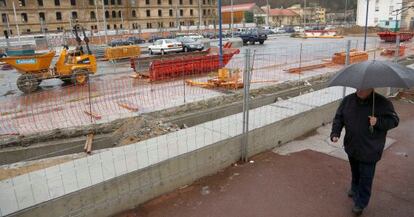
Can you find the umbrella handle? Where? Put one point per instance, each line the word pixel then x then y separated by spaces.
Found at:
pixel 371 128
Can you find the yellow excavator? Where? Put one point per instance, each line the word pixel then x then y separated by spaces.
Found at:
pixel 71 67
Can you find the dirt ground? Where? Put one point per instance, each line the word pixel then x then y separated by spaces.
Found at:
pixel 306 183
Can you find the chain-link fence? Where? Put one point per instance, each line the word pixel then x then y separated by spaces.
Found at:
pixel 186 109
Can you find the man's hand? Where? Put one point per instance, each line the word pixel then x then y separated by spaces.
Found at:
pixel 372 120
pixel 335 139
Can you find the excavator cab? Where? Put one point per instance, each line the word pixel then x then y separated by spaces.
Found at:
pixel 74 66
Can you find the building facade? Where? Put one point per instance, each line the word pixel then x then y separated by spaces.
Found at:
pixel 379 12
pixel 33 16
pixel 283 17
pixel 310 15
pixel 407 17
pixel 242 13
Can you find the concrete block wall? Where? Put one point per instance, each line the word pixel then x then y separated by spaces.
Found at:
pixel 121 178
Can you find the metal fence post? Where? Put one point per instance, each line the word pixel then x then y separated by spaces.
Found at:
pixel 397 51
pixel 246 84
pixel 347 61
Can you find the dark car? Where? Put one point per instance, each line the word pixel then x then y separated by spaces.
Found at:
pixel 118 42
pixel 135 40
pixel 289 29
pixel 253 36
pixel 190 44
pixel 154 38
pixel 210 35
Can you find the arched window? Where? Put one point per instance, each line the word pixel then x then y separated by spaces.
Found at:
pixel 134 13
pixel 119 14
pixel 106 14
pixel 93 15
pixel 113 14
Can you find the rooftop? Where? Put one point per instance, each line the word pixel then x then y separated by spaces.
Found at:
pixel 239 7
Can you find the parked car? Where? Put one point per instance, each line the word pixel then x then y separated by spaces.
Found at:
pixel 190 44
pixel 163 46
pixel 154 38
pixel 289 29
pixel 253 36
pixel 210 35
pixel 135 40
pixel 278 30
pixel 118 42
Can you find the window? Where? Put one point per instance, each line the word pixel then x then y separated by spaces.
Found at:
pixel 42 16
pixel 147 2
pixel 119 14
pixel 160 13
pixel 171 24
pixel 112 2
pixel 134 13
pixel 4 18
pixel 170 2
pixel 57 2
pixel 3 3
pixel 120 26
pixel 204 2
pixel 22 3
pixel 191 12
pixel 387 23
pixel 113 14
pixel 40 3
pixel 376 8
pixel 160 24
pixel 191 2
pixel 148 13
pixel 182 23
pixel 108 26
pixel 27 30
pixel 74 15
pixel 181 2
pixel 209 2
pixel 181 12
pixel 106 2
pixel 159 2
pixel 93 15
pixel 171 13
pixel 24 17
pixel 73 2
pixel 149 25
pixel 91 2
pixel 204 12
pixel 208 12
pixel 107 14
pixel 115 27
pixel 58 16
pixel 120 3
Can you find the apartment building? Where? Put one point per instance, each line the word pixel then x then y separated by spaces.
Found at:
pixel 34 16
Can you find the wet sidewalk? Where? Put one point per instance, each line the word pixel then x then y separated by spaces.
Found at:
pixel 306 183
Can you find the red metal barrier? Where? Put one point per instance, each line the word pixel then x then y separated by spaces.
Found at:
pixel 189 65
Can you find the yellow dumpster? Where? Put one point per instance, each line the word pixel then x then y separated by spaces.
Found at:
pixel 122 52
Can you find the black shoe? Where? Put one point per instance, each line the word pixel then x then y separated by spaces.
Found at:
pixel 357 210
pixel 350 193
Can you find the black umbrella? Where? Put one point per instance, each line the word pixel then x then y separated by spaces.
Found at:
pixel 373 74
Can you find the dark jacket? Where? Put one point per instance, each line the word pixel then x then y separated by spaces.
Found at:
pixel 353 114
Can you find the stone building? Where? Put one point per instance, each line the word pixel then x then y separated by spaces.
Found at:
pixel 35 16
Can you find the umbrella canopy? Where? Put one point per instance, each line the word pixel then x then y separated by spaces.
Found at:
pixel 373 74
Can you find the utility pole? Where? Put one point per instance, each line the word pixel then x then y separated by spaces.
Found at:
pixel 220 35
pixel 267 12
pixel 366 27
pixel 232 19
pixel 346 9
pixel 104 22
pixel 177 18
pixel 15 21
pixel 304 13
pixel 97 21
pixel 200 19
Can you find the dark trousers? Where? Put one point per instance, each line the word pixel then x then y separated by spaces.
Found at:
pixel 362 177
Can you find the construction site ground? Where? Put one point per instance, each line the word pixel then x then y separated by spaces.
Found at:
pixel 306 183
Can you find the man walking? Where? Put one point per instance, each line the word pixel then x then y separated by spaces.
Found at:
pixel 364 138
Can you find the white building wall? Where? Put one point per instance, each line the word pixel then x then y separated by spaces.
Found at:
pixel 378 10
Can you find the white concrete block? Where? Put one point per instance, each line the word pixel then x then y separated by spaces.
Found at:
pixel 8 201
